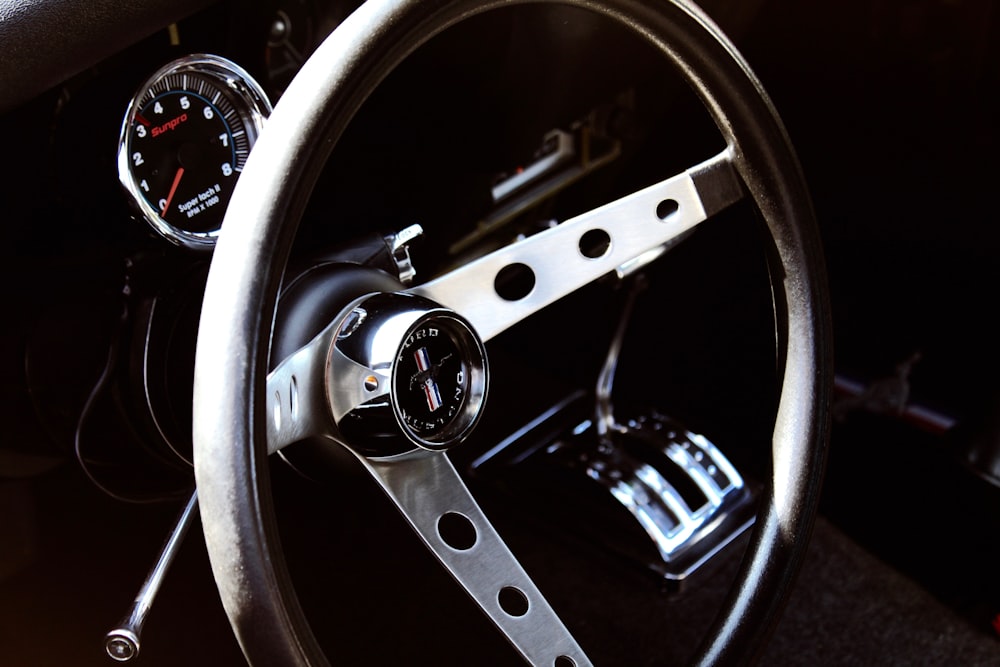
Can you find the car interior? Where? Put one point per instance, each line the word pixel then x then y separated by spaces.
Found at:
pixel 476 332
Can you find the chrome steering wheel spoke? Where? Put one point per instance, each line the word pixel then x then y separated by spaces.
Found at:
pixel 296 406
pixel 431 495
pixel 555 262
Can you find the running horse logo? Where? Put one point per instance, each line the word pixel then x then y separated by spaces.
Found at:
pixel 426 376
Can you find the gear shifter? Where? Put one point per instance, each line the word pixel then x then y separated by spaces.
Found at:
pixel 643 485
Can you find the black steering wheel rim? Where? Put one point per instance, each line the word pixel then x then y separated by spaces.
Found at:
pixel 232 357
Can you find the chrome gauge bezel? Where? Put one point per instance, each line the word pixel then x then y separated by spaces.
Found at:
pixel 242 91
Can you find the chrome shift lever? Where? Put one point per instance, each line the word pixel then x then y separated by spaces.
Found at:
pixel 604 410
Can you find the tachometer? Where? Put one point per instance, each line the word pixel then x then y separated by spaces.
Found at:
pixel 185 138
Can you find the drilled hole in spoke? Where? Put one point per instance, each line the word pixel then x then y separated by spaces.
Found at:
pixel 513 601
pixel 457 531
pixel 277 411
pixel 667 208
pixel 595 243
pixel 293 398
pixel 514 282
pixel 564 661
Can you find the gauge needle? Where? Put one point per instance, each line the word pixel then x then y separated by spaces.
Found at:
pixel 173 189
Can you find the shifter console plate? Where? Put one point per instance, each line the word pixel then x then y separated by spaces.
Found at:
pixel 667 499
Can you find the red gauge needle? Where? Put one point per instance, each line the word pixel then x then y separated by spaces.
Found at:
pixel 173 189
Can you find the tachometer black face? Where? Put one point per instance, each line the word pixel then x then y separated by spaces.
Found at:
pixel 185 155
pixel 184 142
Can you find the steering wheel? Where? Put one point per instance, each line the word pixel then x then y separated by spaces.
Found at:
pixel 355 383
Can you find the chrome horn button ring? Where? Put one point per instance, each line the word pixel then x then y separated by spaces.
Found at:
pixel 423 372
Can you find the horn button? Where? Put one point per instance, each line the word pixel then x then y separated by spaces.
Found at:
pixel 422 373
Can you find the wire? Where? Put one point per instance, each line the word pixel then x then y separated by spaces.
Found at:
pixel 85 412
